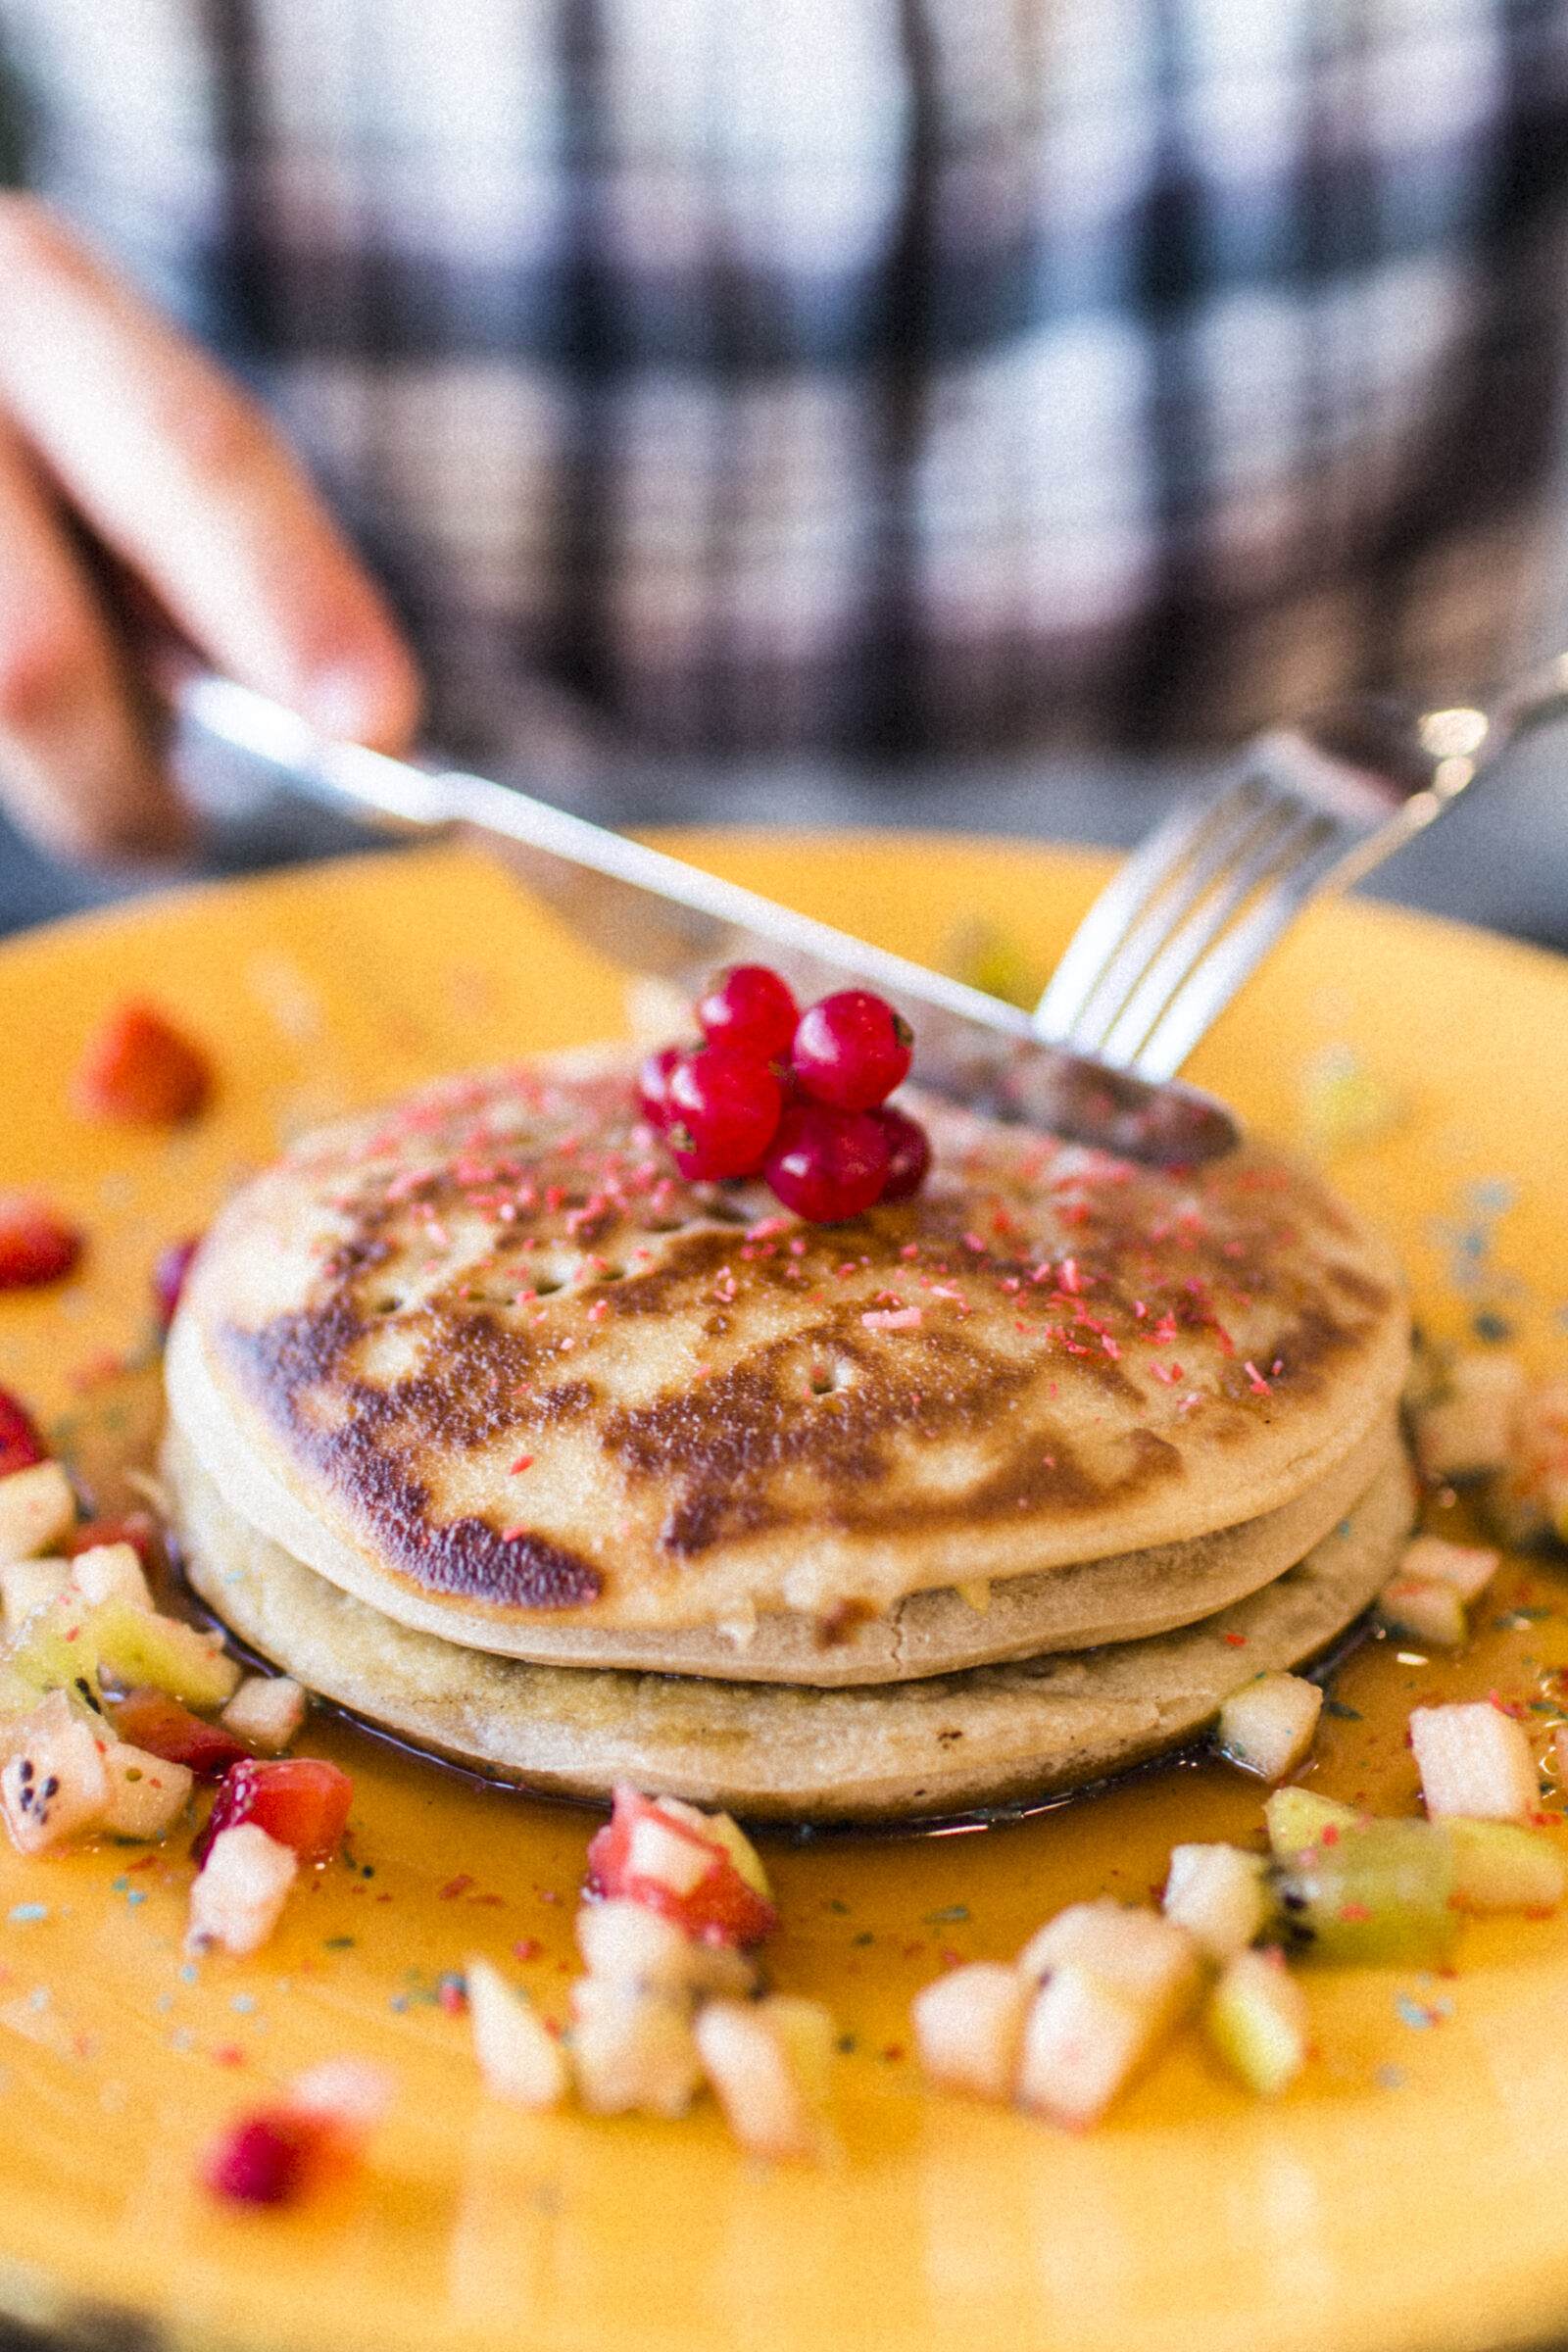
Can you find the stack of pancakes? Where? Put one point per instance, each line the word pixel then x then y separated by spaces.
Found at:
pixel 489 1427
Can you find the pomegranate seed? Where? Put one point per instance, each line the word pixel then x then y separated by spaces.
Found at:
pixel 723 1111
pixel 750 1007
pixel 852 1049
pixel 169 1275
pixel 827 1164
pixel 265 2159
pixel 653 1085
pixel 19 1442
pixel 35 1246
pixel 141 1071
pixel 908 1152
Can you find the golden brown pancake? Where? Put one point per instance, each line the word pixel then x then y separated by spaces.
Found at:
pixel 939 1745
pixel 485 1362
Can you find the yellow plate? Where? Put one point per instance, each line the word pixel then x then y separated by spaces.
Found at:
pixel 1407 2192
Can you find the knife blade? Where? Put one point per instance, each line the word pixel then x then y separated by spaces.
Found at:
pixel 653 913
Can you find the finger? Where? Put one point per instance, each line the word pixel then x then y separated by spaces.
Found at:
pixel 77 765
pixel 183 475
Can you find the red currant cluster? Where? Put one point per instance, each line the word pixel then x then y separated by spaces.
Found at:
pixel 800 1098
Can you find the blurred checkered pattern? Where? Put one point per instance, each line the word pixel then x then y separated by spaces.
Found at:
pixel 870 377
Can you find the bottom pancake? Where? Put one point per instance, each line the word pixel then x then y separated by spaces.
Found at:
pixel 768 1751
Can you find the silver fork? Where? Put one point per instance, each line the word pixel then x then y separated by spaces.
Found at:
pixel 1306 809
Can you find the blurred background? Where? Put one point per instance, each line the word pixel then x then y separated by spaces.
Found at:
pixel 908 412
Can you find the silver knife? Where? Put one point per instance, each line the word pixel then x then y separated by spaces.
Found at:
pixel 653 913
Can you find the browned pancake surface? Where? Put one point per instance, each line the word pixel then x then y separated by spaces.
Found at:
pixel 515 1369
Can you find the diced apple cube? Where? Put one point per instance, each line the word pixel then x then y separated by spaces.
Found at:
pixel 238 1895
pixel 1497 1866
pixel 1465 1429
pixel 1152 1961
pixel 350 2094
pixel 969 2027
pixel 111 1572
pixel 265 1712
pixel 146 1795
pixel 139 1646
pixel 632 2048
pixel 54 1785
pixel 1297 1818
pixel 520 2061
pixel 723 1831
pixel 37 1508
pixel 1219 1894
pixel 1257 2018
pixel 628 1942
pixel 768 2063
pixel 665 1856
pixel 1425 1610
pixel 1083 2038
pixel 1266 1727
pixel 1475 1761
pixel 1468 1567
pixel 27 1585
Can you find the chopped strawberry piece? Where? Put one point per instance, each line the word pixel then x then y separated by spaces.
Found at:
pixel 700 1890
pixel 149 1718
pixel 139 1070
pixel 169 1275
pixel 21 1445
pixel 35 1246
pixel 137 1528
pixel 267 2158
pixel 302 1801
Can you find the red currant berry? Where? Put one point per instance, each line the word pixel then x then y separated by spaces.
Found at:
pixel 827 1164
pixel 852 1049
pixel 653 1085
pixel 908 1152
pixel 723 1111
pixel 751 1007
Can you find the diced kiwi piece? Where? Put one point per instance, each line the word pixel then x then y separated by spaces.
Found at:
pixel 1297 1818
pixel 56 1649
pixel 137 1646
pixel 1497 1866
pixel 1256 2018
pixel 1379 1896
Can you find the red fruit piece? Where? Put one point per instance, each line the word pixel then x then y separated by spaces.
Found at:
pixel 724 1109
pixel 653 1083
pixel 149 1718
pixel 908 1152
pixel 827 1164
pixel 136 1528
pixel 852 1049
pixel 169 1275
pixel 718 1908
pixel 137 1069
pixel 269 2157
pixel 19 1442
pixel 302 1801
pixel 35 1246
pixel 750 1007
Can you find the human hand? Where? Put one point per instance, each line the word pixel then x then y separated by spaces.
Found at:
pixel 116 430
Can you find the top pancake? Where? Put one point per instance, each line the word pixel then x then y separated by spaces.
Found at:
pixel 507 1371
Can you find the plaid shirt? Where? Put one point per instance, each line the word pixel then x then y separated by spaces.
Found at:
pixel 871 376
